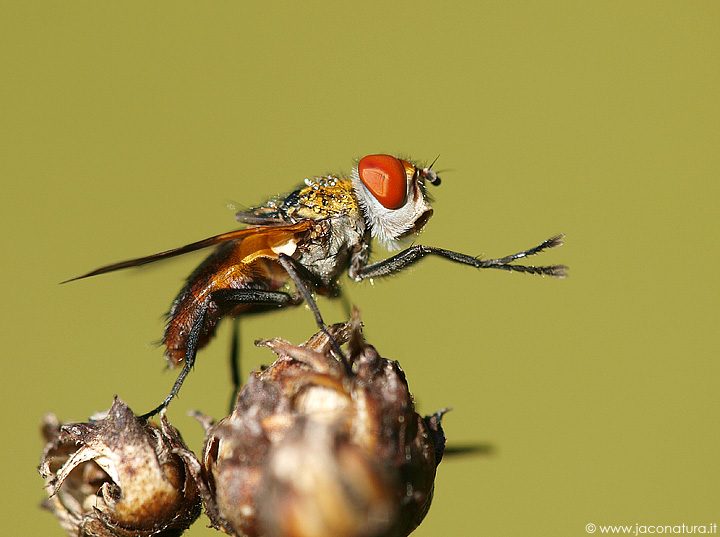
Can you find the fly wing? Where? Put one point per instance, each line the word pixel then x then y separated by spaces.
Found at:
pixel 210 241
pixel 253 218
pixel 262 216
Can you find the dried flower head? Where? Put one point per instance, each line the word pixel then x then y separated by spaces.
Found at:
pixel 118 476
pixel 321 446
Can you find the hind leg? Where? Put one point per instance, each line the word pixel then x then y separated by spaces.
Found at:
pixel 221 298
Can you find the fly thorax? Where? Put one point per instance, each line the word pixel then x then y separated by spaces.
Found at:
pixel 327 252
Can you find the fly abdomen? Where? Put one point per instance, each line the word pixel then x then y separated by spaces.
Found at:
pixel 185 312
pixel 224 284
pixel 194 300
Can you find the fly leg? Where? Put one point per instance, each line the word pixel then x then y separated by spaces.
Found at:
pixel 222 296
pixel 235 362
pixel 413 254
pixel 298 273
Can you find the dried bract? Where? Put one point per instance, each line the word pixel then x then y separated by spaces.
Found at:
pixel 319 446
pixel 118 476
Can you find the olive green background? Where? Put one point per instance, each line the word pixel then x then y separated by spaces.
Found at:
pixel 129 128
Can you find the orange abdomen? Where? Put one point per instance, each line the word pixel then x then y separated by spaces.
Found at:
pixel 234 265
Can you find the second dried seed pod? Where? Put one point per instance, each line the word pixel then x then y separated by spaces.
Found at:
pixel 320 445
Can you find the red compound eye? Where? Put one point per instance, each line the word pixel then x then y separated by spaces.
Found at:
pixel 385 178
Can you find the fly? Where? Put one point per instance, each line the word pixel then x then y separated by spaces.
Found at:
pixel 301 244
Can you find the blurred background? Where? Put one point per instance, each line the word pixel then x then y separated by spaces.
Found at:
pixel 132 128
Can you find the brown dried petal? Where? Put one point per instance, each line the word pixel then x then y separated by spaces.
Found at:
pixel 318 446
pixel 118 476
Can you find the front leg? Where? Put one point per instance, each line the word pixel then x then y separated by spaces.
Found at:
pixel 415 253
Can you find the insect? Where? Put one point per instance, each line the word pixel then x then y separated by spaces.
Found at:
pixel 302 243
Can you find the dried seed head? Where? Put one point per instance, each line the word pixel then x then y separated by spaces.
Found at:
pixel 317 483
pixel 118 476
pixel 320 447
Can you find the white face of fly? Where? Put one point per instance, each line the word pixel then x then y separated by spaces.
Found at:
pixel 392 198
